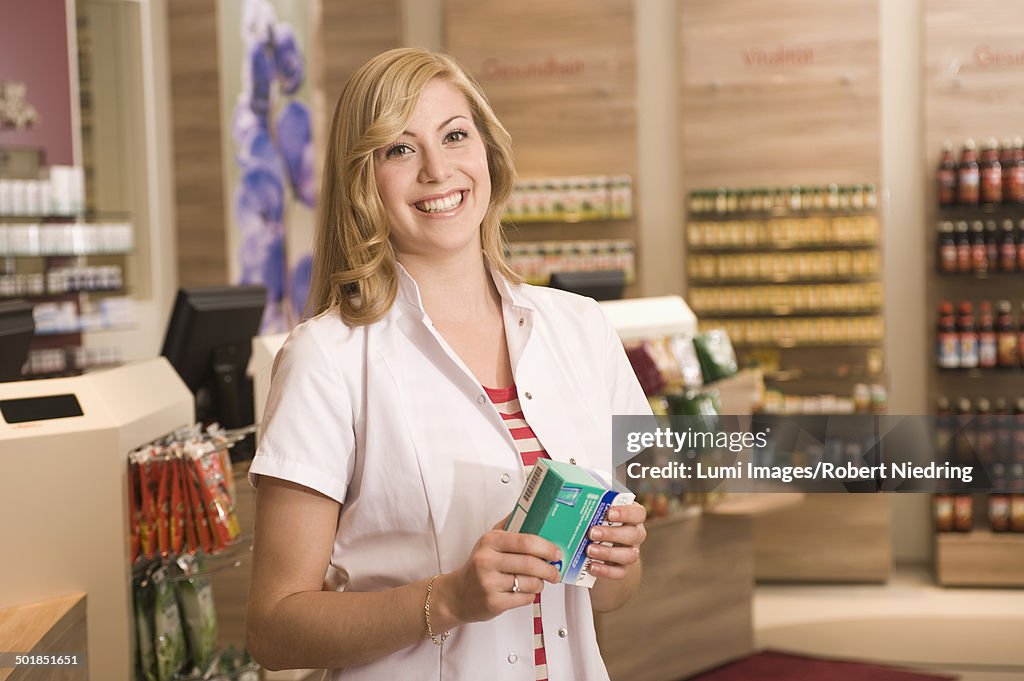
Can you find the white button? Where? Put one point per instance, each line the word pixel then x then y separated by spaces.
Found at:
pixel 563 632
pixel 521 321
pixel 505 477
pixel 481 399
pixel 572 461
pixel 512 658
pixel 528 396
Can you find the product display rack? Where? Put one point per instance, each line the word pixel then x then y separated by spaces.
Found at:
pixel 979 557
pixel 795 278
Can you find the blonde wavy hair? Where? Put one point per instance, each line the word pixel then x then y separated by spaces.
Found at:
pixel 354 265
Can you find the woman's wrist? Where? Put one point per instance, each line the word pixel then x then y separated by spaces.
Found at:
pixel 442 612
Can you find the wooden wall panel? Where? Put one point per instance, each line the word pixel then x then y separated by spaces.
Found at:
pixel 779 93
pixel 562 79
pixel 351 33
pixel 195 114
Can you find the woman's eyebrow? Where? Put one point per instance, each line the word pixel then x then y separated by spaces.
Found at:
pixel 440 127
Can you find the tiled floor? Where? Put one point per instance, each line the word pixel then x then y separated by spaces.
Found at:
pixel 975 633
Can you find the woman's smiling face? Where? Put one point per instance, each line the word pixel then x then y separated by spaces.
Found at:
pixel 433 180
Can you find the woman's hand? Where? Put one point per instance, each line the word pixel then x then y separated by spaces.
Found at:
pixel 483 587
pixel 625 540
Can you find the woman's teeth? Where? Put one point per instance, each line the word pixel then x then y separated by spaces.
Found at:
pixel 440 205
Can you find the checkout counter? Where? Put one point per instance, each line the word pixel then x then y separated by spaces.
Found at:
pixel 64 445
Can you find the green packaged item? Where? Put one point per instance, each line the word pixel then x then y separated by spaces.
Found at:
pixel 561 502
pixel 716 355
pixel 143 595
pixel 195 597
pixel 169 637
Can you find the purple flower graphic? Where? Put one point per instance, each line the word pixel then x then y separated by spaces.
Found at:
pixel 273 138
pixel 290 66
pixel 301 276
pixel 295 137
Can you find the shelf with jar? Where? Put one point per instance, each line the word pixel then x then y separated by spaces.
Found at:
pixel 793 275
pixel 578 199
pixel 536 261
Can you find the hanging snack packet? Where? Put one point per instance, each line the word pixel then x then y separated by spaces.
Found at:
pixel 147 524
pixel 177 519
pixel 195 596
pixel 218 503
pixel 163 506
pixel 169 636
pixel 191 544
pixel 143 596
pixel 200 523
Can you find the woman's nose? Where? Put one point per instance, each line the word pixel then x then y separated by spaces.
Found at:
pixel 434 168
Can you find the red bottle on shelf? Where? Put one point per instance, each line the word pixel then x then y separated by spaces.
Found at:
pixel 991 173
pixel 1007 336
pixel 946 176
pixel 963 247
pixel 968 176
pixel 1006 163
pixel 968 336
pixel 979 249
pixel 963 503
pixel 947 249
pixel 1007 248
pixel 947 346
pixel 1014 192
pixel 987 343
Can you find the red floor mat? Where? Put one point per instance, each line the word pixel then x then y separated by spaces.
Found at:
pixel 770 665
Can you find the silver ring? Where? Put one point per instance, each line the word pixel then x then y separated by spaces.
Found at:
pixel 515 584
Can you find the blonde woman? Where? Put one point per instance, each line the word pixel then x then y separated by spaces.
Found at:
pixel 402 415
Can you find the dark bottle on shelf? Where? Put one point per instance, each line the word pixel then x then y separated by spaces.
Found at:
pixel 987 343
pixel 947 249
pixel 979 249
pixel 963 247
pixel 942 503
pixel 991 173
pixel 1006 163
pixel 946 176
pixel 1016 469
pixel 968 336
pixel 991 246
pixel 1014 191
pixel 999 498
pixel 947 347
pixel 963 503
pixel 1007 248
pixel 1006 336
pixel 1020 334
pixel 968 177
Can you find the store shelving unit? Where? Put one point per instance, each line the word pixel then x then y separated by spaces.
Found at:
pixel 979 557
pixel 797 287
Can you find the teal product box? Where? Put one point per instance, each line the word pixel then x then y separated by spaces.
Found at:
pixel 561 502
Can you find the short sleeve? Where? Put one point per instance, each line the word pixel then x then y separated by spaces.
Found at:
pixel 307 435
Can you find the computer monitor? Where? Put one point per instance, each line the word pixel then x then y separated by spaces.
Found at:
pixel 209 340
pixel 17 327
pixel 599 285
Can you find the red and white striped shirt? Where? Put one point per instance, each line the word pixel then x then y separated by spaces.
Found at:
pixel 506 401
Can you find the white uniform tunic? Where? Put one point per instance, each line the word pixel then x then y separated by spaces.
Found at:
pixel 388 421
